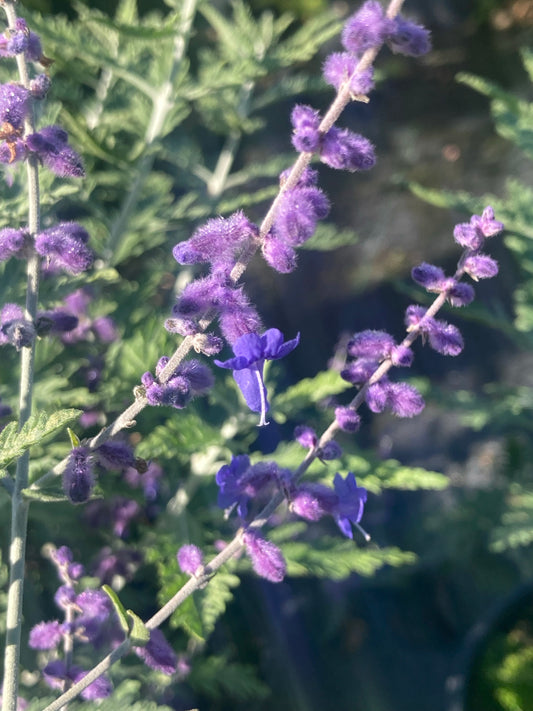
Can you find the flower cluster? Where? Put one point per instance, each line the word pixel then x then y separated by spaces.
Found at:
pixel 189 379
pixel 87 617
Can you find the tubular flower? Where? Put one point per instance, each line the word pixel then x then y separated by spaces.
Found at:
pixel 251 351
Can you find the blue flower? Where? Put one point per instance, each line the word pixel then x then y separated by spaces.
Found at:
pixel 351 504
pixel 251 351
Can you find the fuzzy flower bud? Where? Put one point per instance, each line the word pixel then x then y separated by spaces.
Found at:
pixel 65 246
pixel 11 243
pixel 369 27
pixel 158 654
pixel 190 559
pixel 347 419
pixel 267 559
pixel 14 105
pixel 312 501
pixel 340 66
pixel 480 266
pixel 344 150
pixel 406 37
pixel 78 479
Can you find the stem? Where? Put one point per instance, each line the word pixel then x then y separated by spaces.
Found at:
pixel 19 505
pixel 161 106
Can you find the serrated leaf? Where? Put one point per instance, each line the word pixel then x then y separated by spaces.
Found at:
pixel 336 559
pixel 309 390
pixel 39 426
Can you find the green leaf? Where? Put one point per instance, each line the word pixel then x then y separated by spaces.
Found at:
pixel 308 390
pixel 138 631
pixel 39 426
pixel 336 559
pixel 119 609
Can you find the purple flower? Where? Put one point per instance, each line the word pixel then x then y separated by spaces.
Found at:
pixel 39 86
pixel 369 27
pixel 330 450
pixel 189 379
pixel 298 211
pixel 216 241
pixel 158 654
pixel 100 688
pixel 115 455
pixel 251 351
pixel 55 321
pixel 401 356
pixel 14 328
pixel 352 499
pixel 306 436
pixel 472 234
pixel 46 635
pixel 344 150
pixel 312 501
pixel 347 419
pixel 371 344
pixel 278 254
pixel 11 243
pixel 78 479
pixel 429 276
pixel 480 266
pixel 340 66
pixel 34 51
pixel 404 400
pixel 239 482
pixel 14 105
pixel 267 559
pixel 459 294
pixel 359 371
pixel 190 559
pixel 51 146
pixel 406 37
pixel 305 122
pixel 488 225
pixel 65 246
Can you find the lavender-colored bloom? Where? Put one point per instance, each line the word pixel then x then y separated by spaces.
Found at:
pixel 279 255
pixel 14 328
pixel 96 608
pixel 34 51
pixel 189 379
pixel 147 480
pixel 352 499
pixel 480 266
pixel 229 479
pixel 401 356
pixel 251 351
pixel 123 512
pixel 55 321
pixel 216 241
pixel 158 654
pixel 340 66
pixel 198 375
pixel 445 338
pixel 415 317
pixel 344 150
pixel 297 214
pixel 62 556
pixel 312 501
pixel 305 122
pixel 39 86
pixel 14 40
pixel 369 27
pixel 190 559
pixel 115 455
pixel 306 436
pixel 46 635
pixel 408 38
pixel 376 396
pixel 12 151
pixel 488 225
pixel 14 105
pixel 123 563
pixel 65 597
pixel 104 328
pixel 429 276
pixel 307 179
pixel 404 400
pixel 239 482
pixel 78 479
pixel 460 294
pixel 267 559
pixel 330 450
pixel 55 673
pixel 371 344
pixel 51 146
pixel 65 246
pixel 100 688
pixel 468 236
pixel 347 419
pixel 11 243
pixel 359 371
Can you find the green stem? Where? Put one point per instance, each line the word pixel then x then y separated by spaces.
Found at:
pixel 160 109
pixel 19 505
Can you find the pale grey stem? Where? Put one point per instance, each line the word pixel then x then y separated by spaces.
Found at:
pixel 19 505
pixel 161 106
